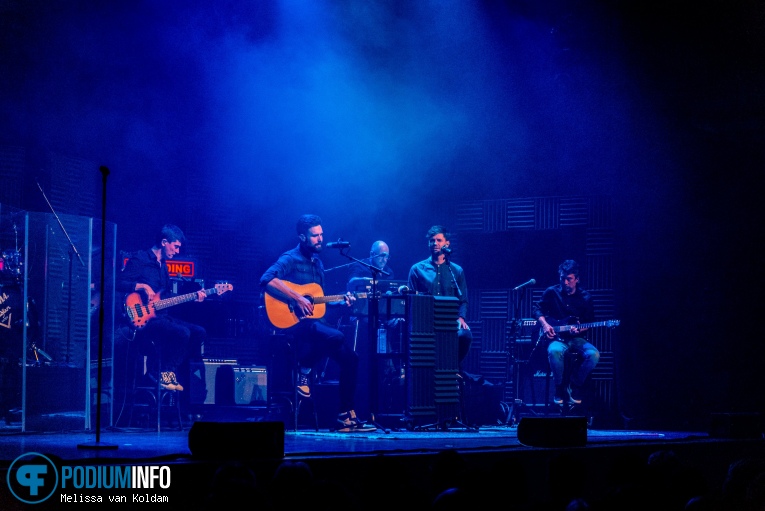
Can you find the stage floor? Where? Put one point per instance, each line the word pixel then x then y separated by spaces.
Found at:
pixel 393 465
pixel 148 444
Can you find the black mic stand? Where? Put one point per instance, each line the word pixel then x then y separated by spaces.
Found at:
pixel 515 358
pixel 98 444
pixel 72 250
pixel 373 319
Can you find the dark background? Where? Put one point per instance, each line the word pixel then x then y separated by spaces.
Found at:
pixel 232 118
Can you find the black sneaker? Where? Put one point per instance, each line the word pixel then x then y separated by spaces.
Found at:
pixel 574 395
pixel 169 382
pixel 303 384
pixel 348 423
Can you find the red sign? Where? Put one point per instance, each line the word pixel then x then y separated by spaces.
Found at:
pixel 176 268
pixel 180 268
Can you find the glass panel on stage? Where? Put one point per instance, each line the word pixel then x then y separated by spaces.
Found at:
pixel 13 313
pixel 56 346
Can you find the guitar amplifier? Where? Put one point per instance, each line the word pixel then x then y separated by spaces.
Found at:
pixel 251 385
pixel 227 383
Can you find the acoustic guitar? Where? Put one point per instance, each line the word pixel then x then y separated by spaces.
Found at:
pixel 140 311
pixel 283 315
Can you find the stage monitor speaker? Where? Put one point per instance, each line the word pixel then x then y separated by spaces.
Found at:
pixel 553 431
pixel 241 440
pixel 736 425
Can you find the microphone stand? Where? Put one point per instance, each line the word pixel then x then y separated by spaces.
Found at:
pixel 372 309
pixel 518 295
pixel 461 385
pixel 72 249
pixel 327 270
pixel 454 279
pixel 98 444
pixel 514 417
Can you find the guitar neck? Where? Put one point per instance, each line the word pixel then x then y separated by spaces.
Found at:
pixel 335 298
pixel 566 328
pixel 175 300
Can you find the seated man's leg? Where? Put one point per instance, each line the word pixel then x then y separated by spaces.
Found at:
pixel 331 342
pixel 197 340
pixel 590 358
pixel 192 358
pixel 555 352
pixel 306 355
pixel 171 342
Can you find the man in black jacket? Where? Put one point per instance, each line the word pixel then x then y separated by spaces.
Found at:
pixel 175 341
pixel 567 304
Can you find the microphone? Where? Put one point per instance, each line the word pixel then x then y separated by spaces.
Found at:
pixel 338 244
pixel 446 251
pixel 528 283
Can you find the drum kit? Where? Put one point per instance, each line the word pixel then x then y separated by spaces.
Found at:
pixel 11 305
pixel 11 292
pixel 11 266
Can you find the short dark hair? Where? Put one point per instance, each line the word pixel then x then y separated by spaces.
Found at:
pixel 568 267
pixel 305 222
pixel 170 233
pixel 437 229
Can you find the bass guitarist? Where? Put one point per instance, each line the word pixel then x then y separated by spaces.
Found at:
pixel 176 342
pixel 567 304
pixel 293 281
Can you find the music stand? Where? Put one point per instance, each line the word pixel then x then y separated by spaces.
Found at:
pixel 372 311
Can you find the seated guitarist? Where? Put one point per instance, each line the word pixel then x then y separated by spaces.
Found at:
pixel 562 304
pixel 176 341
pixel 286 280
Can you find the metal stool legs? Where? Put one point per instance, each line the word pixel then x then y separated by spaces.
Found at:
pixel 153 398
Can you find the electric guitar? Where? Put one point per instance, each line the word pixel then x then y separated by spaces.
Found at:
pixel 283 315
pixel 564 327
pixel 139 312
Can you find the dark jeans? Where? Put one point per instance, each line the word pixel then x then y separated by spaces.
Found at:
pixel 555 354
pixel 169 342
pixel 316 340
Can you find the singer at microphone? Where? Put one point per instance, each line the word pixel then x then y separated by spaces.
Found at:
pixel 437 276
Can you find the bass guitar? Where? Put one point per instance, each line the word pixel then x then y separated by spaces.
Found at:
pixel 140 311
pixel 283 315
pixel 564 326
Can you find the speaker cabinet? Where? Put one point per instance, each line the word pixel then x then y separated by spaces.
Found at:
pixel 736 425
pixel 223 382
pixel 251 385
pixel 240 440
pixel 533 385
pixel 553 431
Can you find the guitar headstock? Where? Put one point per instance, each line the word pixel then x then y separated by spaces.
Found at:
pixel 223 287
pixel 612 323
